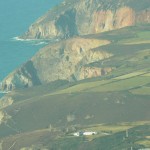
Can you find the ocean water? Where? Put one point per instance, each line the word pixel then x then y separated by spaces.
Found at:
pixel 15 18
pixel 1 95
pixel 14 53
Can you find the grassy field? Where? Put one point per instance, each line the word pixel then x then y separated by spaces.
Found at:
pixel 147 74
pixel 141 91
pixel 111 85
pixel 114 128
pixel 121 85
pixel 41 111
pixel 145 142
pixel 141 37
pixel 138 135
pixel 133 74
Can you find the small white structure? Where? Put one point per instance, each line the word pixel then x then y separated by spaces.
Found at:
pixel 76 134
pixel 88 133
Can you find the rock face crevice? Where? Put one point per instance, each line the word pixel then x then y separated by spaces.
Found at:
pixel 66 24
pixel 76 17
pixel 24 77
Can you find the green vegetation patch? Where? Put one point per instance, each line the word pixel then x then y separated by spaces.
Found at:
pixel 141 91
pixel 122 84
pixel 109 85
pixel 133 74
pixel 146 75
pixel 145 143
pixel 141 37
pixel 82 87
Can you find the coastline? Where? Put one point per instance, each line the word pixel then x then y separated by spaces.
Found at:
pixel 4 92
pixel 33 41
pixel 17 38
pixel 1 95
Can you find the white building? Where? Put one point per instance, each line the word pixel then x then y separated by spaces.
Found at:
pixel 88 133
pixel 76 134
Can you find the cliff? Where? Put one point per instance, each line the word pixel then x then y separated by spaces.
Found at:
pixel 81 17
pixel 68 58
pixel 63 60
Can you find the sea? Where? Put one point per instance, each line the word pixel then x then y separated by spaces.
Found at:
pixel 15 18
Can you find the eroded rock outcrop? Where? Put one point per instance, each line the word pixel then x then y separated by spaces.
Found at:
pixel 4 117
pixel 6 101
pixel 91 72
pixel 76 17
pixel 61 61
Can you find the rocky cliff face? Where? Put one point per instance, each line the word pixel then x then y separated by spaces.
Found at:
pixel 64 60
pixel 80 17
pixel 90 72
pixel 68 59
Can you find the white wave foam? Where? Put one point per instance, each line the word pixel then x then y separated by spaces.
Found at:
pixel 20 39
pixel 41 43
pixel 36 41
pixel 4 92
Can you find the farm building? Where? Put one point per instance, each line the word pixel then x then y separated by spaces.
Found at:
pixel 88 133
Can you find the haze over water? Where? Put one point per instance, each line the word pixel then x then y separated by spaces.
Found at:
pixel 15 18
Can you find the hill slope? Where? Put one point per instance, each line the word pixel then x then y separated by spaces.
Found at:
pixel 116 97
pixel 84 57
pixel 94 82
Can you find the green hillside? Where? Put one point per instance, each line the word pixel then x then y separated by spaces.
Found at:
pixel 120 96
